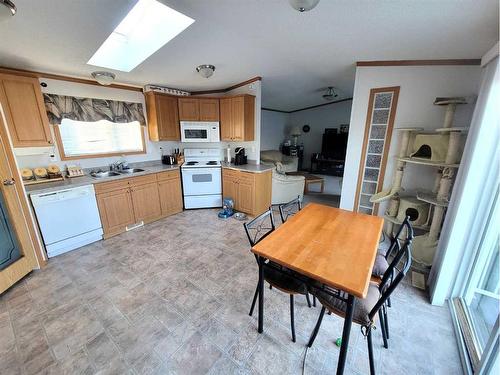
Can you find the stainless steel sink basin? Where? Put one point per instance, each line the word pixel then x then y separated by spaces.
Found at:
pixel 104 174
pixel 130 170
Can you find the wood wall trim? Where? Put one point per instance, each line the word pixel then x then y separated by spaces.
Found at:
pixel 29 73
pixel 306 108
pixel 419 62
pixel 220 91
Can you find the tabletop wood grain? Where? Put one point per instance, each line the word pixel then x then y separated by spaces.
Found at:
pixel 334 246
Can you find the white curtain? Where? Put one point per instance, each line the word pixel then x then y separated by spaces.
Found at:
pixel 472 193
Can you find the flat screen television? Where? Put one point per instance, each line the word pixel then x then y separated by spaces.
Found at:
pixel 334 145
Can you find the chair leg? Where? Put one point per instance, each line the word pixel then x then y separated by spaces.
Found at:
pixel 254 300
pixel 270 286
pixel 370 352
pixel 314 301
pixel 308 300
pixel 292 317
pixel 316 328
pixel 389 301
pixel 386 321
pixel 382 327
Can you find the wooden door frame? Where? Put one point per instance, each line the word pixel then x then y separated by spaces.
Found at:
pixel 29 239
pixel 387 142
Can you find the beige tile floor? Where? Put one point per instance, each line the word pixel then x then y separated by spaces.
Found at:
pixel 173 298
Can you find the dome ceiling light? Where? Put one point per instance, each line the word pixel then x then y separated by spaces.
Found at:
pixel 303 5
pixel 205 70
pixel 7 9
pixel 103 78
pixel 330 93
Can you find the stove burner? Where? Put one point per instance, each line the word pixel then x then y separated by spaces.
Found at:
pixel 211 162
pixel 191 163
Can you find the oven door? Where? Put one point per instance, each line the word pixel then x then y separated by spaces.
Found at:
pixel 201 181
pixel 192 132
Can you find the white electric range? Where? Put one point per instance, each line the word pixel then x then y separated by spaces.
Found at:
pixel 201 178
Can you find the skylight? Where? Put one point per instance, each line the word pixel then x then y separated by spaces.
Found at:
pixel 144 30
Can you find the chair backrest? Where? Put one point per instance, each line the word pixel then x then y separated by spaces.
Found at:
pixel 397 269
pixel 290 208
pixel 260 227
pixel 395 245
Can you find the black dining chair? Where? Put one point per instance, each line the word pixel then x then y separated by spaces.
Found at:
pixel 290 208
pixel 276 275
pixel 380 267
pixel 366 309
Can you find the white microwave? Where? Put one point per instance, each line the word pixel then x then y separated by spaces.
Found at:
pixel 200 131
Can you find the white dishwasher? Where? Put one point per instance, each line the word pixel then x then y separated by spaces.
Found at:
pixel 68 219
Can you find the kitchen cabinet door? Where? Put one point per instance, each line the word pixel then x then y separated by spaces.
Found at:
pixel 246 195
pixel 116 211
pixel 170 196
pixel 163 117
pixel 168 126
pixel 230 189
pixel 189 109
pixel 209 109
pixel 146 202
pixel 238 118
pixel 22 102
pixel 226 121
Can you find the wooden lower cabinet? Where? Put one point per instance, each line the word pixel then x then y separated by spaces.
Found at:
pixel 251 192
pixel 146 202
pixel 138 199
pixel 116 211
pixel 170 192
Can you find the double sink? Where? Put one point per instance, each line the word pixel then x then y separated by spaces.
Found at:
pixel 103 174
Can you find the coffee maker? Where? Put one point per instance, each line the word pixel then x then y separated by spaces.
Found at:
pixel 239 156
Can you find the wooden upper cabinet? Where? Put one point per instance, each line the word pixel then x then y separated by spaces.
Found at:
pixel 189 109
pixel 226 119
pixel 163 117
pixel 22 102
pixel 237 118
pixel 199 109
pixel 209 109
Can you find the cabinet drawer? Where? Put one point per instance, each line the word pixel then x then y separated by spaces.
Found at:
pixel 142 180
pixel 230 172
pixel 168 175
pixel 105 187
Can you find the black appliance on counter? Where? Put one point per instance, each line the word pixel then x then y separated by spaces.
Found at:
pixel 239 156
pixel 169 159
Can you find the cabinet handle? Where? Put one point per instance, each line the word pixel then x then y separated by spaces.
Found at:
pixel 9 182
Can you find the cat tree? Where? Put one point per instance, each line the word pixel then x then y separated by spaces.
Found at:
pixel 440 150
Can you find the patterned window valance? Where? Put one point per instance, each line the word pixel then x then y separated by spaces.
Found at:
pixel 60 107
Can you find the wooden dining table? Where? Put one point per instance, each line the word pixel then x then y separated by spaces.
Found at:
pixel 330 245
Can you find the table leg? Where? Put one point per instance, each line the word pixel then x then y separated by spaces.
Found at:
pixel 261 295
pixel 322 186
pixel 346 333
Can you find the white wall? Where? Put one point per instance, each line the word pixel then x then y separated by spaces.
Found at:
pixel 420 85
pixel 153 151
pixel 320 118
pixel 273 129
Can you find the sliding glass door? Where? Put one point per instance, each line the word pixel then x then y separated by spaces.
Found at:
pixel 478 307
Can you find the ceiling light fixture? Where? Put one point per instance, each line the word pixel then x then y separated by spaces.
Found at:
pixel 103 78
pixel 144 30
pixel 205 70
pixel 330 93
pixel 7 10
pixel 303 5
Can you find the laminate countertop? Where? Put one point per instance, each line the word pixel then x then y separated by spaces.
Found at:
pixel 68 183
pixel 254 168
